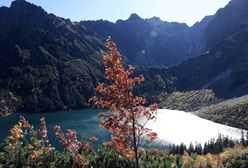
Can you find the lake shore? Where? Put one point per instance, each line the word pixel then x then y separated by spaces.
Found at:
pixel 172 126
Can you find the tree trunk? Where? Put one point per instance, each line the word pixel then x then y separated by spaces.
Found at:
pixel 136 155
pixel 135 145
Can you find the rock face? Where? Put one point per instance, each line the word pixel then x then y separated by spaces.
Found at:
pixel 227 22
pixel 223 67
pixel 49 62
pixel 152 42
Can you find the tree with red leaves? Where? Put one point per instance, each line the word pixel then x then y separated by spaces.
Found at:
pixel 127 116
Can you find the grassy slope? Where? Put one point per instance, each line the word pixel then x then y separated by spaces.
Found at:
pixel 188 101
pixel 233 112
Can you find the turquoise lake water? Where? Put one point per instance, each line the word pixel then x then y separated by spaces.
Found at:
pixel 171 125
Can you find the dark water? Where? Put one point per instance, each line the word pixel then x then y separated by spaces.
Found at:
pixel 84 121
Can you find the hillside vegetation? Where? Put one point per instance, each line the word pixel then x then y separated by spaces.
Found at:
pixel 232 112
pixel 187 101
pixel 48 62
pixel 8 102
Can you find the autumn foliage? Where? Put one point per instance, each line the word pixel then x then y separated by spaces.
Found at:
pixel 38 144
pixel 127 116
pixel 70 142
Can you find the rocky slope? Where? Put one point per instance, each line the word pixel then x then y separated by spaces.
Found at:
pixel 232 112
pixel 152 42
pixel 223 68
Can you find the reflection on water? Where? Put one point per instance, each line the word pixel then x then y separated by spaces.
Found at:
pixel 171 125
pixel 178 126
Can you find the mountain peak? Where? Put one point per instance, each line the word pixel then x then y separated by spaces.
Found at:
pixel 154 20
pixel 134 17
pixel 18 3
pixel 24 6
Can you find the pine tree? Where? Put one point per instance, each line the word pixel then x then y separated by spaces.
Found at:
pixel 191 148
pixel 182 148
pixel 205 149
pixel 198 149
pixel 242 139
pixel 246 141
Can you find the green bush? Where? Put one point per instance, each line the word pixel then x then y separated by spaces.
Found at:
pixel 241 161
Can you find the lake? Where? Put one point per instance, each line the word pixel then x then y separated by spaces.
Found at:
pixel 171 125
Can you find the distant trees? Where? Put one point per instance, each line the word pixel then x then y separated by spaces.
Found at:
pixel 212 146
pixel 246 141
pixel 180 149
pixel 127 116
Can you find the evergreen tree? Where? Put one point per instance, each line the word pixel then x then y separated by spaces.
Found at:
pixel 191 148
pixel 182 148
pixel 205 149
pixel 226 142
pixel 219 144
pixel 198 149
pixel 246 141
pixel 242 139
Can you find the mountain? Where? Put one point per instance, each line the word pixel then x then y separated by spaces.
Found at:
pixel 50 63
pixel 152 42
pixel 227 22
pixel 223 68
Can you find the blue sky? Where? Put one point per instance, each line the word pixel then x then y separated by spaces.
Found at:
pixel 187 11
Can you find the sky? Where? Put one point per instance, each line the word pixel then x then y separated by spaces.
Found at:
pixel 184 11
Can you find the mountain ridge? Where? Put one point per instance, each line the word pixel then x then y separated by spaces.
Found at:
pixel 153 44
pixel 51 63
